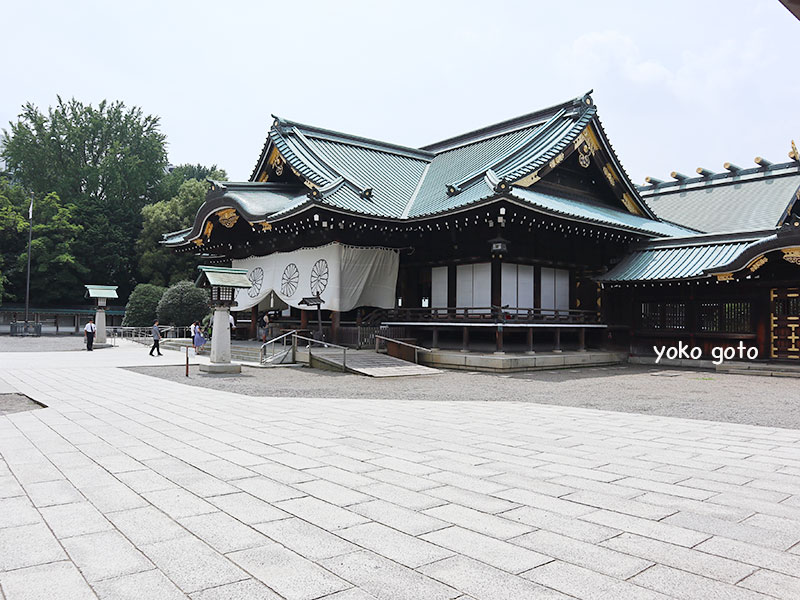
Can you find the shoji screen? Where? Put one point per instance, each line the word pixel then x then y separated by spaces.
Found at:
pixel 439 287
pixel 555 289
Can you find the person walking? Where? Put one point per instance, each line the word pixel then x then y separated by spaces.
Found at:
pixel 265 327
pixel 193 331
pixel 199 339
pixel 88 334
pixel 156 339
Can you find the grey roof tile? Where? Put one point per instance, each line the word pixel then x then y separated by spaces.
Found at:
pixel 729 204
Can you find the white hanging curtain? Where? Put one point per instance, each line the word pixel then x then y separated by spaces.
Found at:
pixel 344 276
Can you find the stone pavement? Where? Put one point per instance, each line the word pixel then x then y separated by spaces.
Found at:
pixel 128 487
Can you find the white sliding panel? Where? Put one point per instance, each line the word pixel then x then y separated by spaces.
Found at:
pixel 508 285
pixel 525 286
pixel 482 285
pixel 548 290
pixel 439 287
pixel 561 289
pixel 464 286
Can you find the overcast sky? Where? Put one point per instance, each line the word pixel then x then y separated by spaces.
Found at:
pixel 678 84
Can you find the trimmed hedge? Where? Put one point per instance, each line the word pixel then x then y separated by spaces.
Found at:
pixel 142 305
pixel 183 304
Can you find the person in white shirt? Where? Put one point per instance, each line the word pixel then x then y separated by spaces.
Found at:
pixel 193 331
pixel 88 334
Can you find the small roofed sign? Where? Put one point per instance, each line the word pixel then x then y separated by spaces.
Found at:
pixel 101 293
pixel 223 282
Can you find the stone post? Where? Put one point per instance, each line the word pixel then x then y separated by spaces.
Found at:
pixel 100 323
pixel 221 339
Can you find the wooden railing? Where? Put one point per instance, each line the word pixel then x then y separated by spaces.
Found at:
pixel 498 314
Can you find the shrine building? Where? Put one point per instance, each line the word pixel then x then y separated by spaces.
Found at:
pixel 521 236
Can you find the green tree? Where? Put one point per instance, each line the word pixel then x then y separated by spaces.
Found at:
pixel 160 265
pixel 107 161
pixel 13 234
pixel 56 274
pixel 171 182
pixel 142 306
pixel 183 304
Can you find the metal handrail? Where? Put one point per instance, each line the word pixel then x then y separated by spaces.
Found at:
pixel 296 337
pixel 263 351
pixel 402 343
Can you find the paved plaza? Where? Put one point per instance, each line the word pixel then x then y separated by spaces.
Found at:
pixel 133 487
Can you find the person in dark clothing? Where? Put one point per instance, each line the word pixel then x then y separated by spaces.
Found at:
pixel 88 334
pixel 156 339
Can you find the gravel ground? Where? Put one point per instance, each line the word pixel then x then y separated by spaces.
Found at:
pixel 14 403
pixel 747 399
pixel 45 343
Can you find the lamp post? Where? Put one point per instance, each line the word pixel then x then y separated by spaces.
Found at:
pixel 28 281
pixel 223 283
pixel 101 294
pixel 318 302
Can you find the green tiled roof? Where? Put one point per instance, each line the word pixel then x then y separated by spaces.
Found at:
pixel 726 202
pixel 359 176
pixel 592 213
pixel 682 258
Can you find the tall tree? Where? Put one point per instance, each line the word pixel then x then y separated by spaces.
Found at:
pixel 107 161
pixel 157 264
pixel 171 182
pixel 56 274
pixel 13 229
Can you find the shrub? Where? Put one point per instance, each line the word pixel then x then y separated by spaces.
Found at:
pixel 142 304
pixel 183 304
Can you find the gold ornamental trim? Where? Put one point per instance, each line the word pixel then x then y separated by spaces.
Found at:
pixel 228 217
pixel 792 255
pixel 630 204
pixel 557 161
pixel 724 276
pixel 528 180
pixel 757 264
pixel 276 162
pixel 208 229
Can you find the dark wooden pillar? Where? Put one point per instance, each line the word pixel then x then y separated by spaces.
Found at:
pixel 530 341
pixel 451 287
pixel 582 339
pixel 497 282
pixel 254 323
pixel 435 341
pixel 465 339
pixel 304 319
pixel 557 339
pixel 335 316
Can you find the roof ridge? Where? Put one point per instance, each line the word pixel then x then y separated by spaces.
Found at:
pixel 722 178
pixel 503 127
pixel 510 154
pixel 347 138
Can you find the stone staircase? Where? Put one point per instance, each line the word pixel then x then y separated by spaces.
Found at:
pixel 765 369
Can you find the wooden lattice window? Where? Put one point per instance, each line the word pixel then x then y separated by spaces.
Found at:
pixel 725 317
pixel 663 315
pixel 675 315
pixel 651 315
